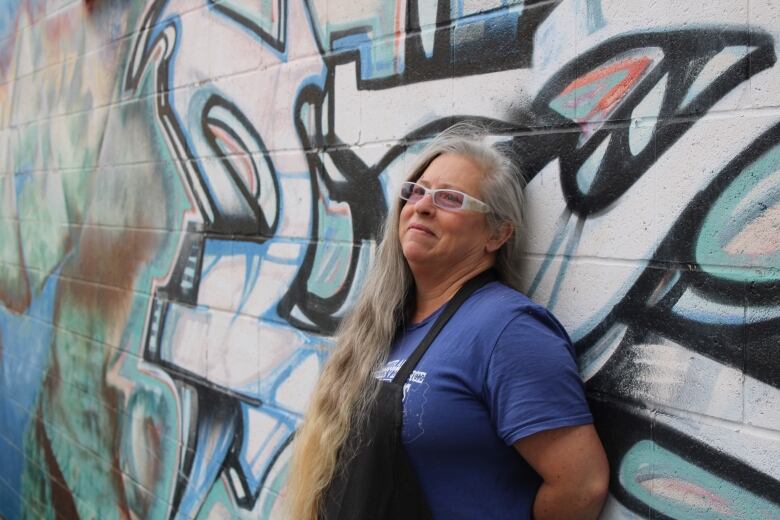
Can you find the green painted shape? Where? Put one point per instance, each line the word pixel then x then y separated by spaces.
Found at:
pixel 582 96
pixel 587 172
pixel 149 446
pixel 72 154
pixel 378 23
pixel 218 503
pixel 43 229
pixel 331 260
pixel 743 201
pixel 717 65
pixel 80 429
pixel 76 188
pixel 9 240
pixel 702 495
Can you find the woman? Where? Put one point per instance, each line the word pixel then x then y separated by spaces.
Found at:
pixel 495 422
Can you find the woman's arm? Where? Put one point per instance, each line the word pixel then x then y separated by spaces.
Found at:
pixel 574 467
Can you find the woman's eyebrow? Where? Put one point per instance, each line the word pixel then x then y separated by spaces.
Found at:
pixel 444 185
pixel 449 186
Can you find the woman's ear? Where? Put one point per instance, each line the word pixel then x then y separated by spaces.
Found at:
pixel 498 238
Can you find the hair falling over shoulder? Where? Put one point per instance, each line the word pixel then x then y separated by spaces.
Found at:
pixel 347 385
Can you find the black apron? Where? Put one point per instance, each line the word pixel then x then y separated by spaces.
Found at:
pixel 378 482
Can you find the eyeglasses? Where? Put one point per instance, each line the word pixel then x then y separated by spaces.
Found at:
pixel 451 200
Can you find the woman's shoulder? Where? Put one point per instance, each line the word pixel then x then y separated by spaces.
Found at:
pixel 502 299
pixel 499 306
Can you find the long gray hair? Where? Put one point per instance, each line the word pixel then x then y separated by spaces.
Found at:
pixel 347 386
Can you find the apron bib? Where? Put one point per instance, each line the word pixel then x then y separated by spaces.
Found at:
pixel 378 481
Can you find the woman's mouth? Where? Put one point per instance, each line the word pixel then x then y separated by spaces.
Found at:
pixel 423 229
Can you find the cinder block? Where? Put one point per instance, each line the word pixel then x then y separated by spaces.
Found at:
pixel 137 196
pixel 761 404
pixel 423 94
pixel 238 40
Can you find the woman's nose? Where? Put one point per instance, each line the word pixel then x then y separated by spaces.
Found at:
pixel 425 204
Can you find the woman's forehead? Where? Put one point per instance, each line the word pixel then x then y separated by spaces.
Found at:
pixel 452 171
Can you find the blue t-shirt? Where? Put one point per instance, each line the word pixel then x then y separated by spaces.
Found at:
pixel 502 369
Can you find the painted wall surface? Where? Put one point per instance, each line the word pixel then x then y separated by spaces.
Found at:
pixel 190 192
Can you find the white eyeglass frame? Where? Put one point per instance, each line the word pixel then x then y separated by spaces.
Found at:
pixel 469 203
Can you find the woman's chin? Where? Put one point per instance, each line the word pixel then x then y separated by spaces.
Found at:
pixel 416 255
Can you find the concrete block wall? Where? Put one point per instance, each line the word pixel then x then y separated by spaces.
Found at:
pixel 190 192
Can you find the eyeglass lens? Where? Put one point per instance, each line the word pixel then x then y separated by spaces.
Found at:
pixel 447 199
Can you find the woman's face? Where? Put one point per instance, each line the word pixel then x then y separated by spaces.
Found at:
pixel 435 239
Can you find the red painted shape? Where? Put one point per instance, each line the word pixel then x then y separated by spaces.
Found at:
pixel 634 67
pixel 238 157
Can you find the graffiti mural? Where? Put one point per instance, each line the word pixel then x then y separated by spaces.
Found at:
pixel 192 191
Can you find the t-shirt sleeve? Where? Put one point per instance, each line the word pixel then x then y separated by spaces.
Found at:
pixel 532 383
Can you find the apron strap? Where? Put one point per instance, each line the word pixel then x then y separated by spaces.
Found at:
pixel 453 305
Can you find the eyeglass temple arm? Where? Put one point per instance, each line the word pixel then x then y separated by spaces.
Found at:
pixel 475 205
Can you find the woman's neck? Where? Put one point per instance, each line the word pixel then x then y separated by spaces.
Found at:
pixel 432 290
